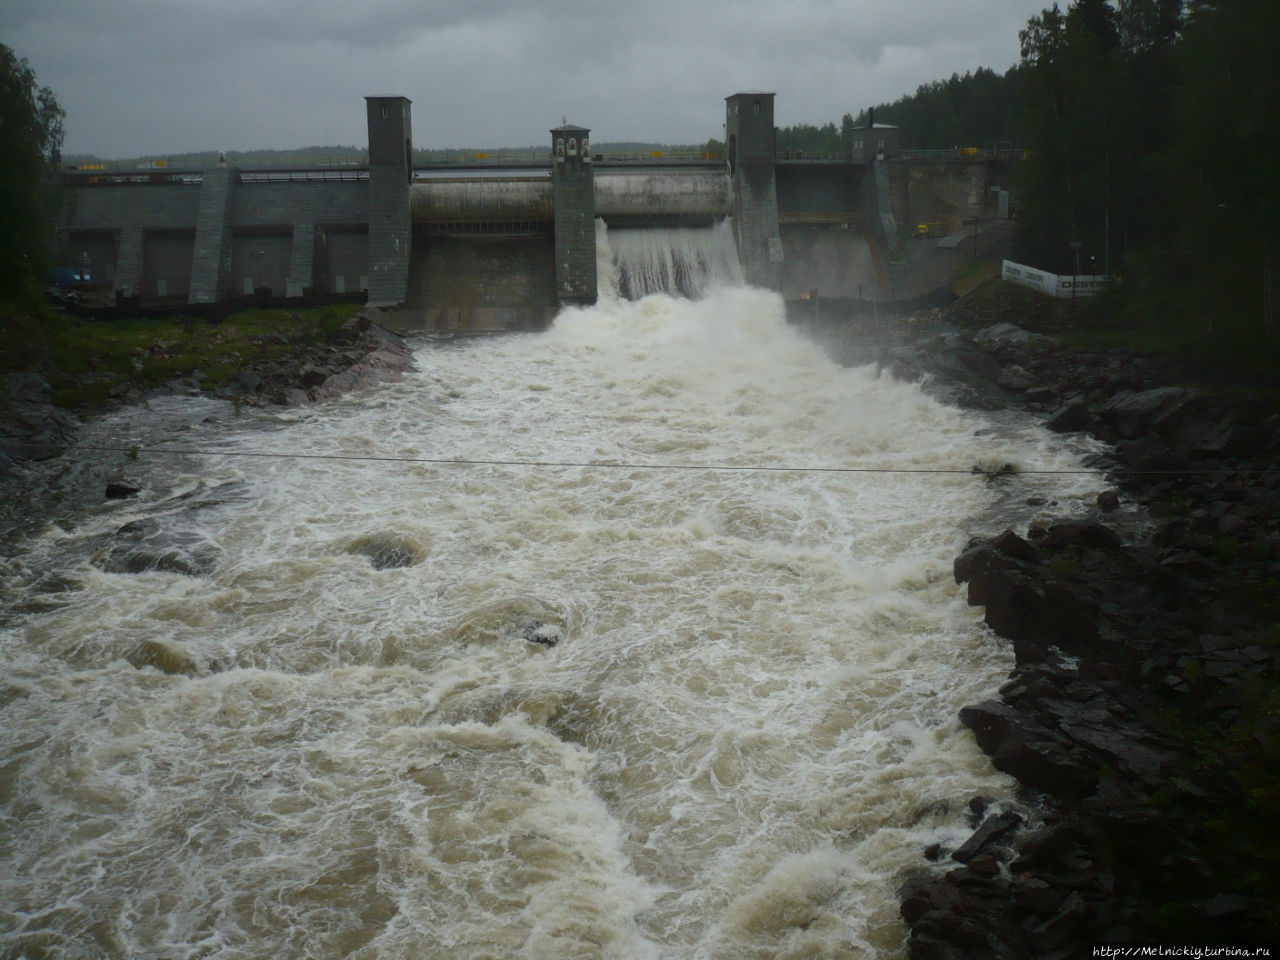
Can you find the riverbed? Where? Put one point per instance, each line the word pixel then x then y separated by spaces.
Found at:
pixel 636 637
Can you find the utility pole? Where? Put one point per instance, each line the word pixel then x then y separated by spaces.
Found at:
pixel 1075 252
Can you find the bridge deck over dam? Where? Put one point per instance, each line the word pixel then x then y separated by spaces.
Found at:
pixel 503 243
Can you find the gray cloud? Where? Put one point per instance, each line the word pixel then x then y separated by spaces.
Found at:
pixel 157 76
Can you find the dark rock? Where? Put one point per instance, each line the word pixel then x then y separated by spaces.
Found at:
pixel 977 808
pixel 1071 417
pixel 1012 545
pixel 1130 413
pixel 122 490
pixel 993 828
pixel 1035 755
pixel 1082 532
pixel 312 375
pixel 543 634
pixel 387 551
pixel 985 864
pixel 144 546
pixel 1226 905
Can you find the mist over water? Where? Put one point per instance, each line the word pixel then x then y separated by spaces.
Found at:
pixel 352 735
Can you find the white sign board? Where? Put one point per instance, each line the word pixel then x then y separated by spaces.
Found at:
pixel 1063 287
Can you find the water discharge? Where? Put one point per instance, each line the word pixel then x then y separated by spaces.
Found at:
pixel 422 710
pixel 684 261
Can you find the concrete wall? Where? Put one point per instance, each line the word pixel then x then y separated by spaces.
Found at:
pixel 480 283
pixel 260 260
pixel 624 196
pixel 620 195
pixel 342 261
pixel 835 262
pixel 120 225
pixel 170 206
pixel 166 265
pixel 211 258
pixel 815 188
pixel 482 199
pixel 284 204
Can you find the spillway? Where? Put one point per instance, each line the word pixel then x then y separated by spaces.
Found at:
pixel 629 676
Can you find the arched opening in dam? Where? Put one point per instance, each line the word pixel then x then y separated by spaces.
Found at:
pixel 633 638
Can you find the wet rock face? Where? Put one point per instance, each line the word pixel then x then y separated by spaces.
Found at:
pixel 1137 709
pixel 31 427
pixel 387 551
pixel 143 546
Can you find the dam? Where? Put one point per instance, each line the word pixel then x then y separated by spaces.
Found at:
pixel 494 246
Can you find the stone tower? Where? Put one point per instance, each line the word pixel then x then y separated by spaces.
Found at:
pixel 573 193
pixel 751 150
pixel 390 177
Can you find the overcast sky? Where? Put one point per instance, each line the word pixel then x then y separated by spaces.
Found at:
pixel 147 77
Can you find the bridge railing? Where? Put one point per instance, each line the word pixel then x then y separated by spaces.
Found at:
pixel 304 175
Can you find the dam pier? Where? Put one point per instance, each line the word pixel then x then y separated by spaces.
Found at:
pixel 496 245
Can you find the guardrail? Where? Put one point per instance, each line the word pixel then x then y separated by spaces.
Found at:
pixel 961 153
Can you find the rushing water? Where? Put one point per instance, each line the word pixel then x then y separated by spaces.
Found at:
pixel 350 734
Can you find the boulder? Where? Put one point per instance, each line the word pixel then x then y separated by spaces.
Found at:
pixel 1029 751
pixel 144 546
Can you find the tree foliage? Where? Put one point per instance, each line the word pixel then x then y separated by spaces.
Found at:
pixel 970 109
pixel 31 131
pixel 1151 133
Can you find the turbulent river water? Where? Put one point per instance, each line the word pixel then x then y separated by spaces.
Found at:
pixel 626 703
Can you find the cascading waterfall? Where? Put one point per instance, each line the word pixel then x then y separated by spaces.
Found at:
pixel 645 703
pixel 681 261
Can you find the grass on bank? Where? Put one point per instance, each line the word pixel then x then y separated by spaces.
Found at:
pixel 87 360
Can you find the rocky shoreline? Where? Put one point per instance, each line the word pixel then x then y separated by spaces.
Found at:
pixel 1143 716
pixel 362 353
pixel 38 485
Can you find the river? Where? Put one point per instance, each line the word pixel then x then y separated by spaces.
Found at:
pixel 640 681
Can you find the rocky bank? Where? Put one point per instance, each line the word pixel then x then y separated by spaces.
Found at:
pixel 362 353
pixel 38 486
pixel 1143 716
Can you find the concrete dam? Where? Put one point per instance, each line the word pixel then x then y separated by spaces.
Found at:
pixel 487 246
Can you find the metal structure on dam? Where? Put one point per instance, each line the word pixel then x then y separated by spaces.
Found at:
pixel 491 247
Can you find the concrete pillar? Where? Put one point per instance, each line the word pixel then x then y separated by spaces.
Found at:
pixel 129 261
pixel 302 260
pixel 573 193
pixel 211 255
pixel 390 177
pixel 751 151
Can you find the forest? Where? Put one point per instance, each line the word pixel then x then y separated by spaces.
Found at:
pixel 1149 135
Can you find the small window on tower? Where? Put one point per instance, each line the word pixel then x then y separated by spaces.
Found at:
pixel 755 107
pixel 386 112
